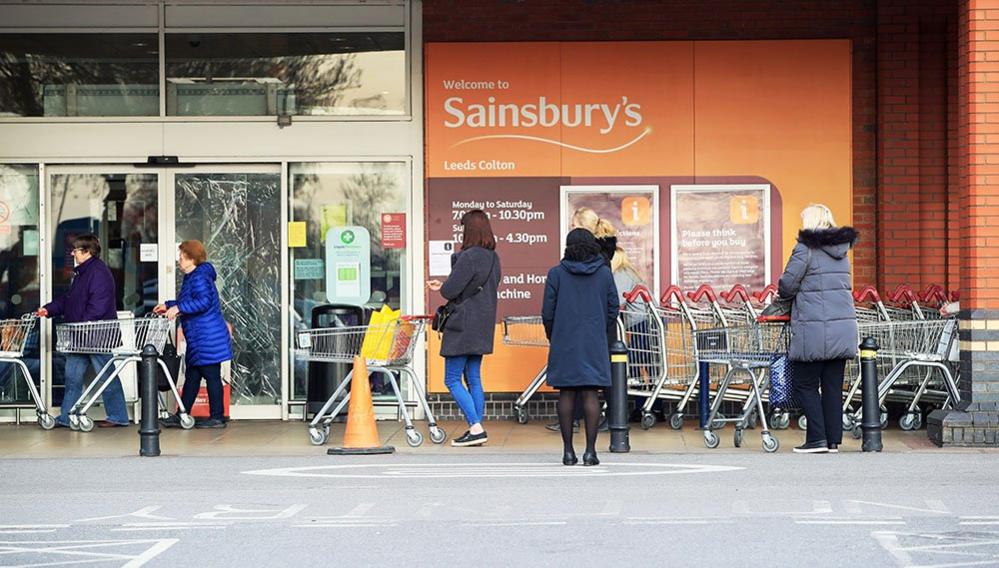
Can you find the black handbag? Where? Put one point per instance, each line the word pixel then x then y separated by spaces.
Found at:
pixel 172 361
pixel 444 313
pixel 778 310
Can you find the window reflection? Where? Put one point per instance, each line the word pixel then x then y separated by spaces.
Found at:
pixel 260 74
pixel 79 75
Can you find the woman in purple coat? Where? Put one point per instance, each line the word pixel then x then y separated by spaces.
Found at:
pixel 91 297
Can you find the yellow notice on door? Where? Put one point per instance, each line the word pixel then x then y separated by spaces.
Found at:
pixel 296 234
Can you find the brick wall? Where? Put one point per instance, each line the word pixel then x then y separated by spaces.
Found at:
pixel 904 93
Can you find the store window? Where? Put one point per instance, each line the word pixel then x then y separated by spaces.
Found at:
pixel 79 75
pixel 19 260
pixel 267 74
pixel 326 196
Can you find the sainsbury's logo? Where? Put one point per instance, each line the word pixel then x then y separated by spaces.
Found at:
pixel 604 117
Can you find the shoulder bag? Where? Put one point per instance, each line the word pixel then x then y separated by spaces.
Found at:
pixel 445 312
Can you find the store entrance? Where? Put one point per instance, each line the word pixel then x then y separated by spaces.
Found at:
pixel 140 216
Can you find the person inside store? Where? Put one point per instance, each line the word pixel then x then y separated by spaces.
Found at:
pixel 470 291
pixel 205 331
pixel 823 324
pixel 91 297
pixel 579 313
pixel 606 236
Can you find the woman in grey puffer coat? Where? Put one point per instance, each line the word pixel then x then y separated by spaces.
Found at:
pixel 823 324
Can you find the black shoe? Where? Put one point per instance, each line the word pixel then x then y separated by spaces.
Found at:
pixel 210 423
pixel 819 447
pixel 469 439
pixel 590 458
pixel 172 421
pixel 833 448
pixel 569 458
pixel 554 426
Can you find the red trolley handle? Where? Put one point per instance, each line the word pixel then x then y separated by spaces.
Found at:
pixel 902 295
pixel 867 293
pixel 762 295
pixel 673 291
pixel 955 296
pixel 701 293
pixel 636 292
pixel 934 294
pixel 737 291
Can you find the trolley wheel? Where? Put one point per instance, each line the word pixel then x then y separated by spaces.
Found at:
pixel 770 444
pixel 676 421
pixel 802 422
pixel 519 412
pixel 848 422
pixel 648 420
pixel 719 422
pixel 910 421
pixel 437 435
pixel 857 432
pixel 414 438
pixel 186 421
pixel 46 421
pixel 738 438
pixel 711 440
pixel 74 422
pixel 318 437
pixel 86 424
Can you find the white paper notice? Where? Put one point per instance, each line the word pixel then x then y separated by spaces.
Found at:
pixel 440 257
pixel 149 252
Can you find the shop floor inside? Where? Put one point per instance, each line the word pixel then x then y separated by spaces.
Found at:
pixel 277 438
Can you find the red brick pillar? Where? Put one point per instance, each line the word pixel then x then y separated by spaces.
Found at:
pixel 975 420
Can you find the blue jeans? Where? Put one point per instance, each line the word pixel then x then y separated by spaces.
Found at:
pixel 471 400
pixel 114 396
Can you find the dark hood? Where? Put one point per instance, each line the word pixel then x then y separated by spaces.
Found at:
pixel 588 266
pixel 205 269
pixel 834 242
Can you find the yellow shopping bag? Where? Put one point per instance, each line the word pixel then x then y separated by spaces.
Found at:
pixel 380 335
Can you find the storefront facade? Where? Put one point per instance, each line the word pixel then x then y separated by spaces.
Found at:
pixel 306 117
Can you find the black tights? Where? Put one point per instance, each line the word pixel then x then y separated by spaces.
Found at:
pixel 567 400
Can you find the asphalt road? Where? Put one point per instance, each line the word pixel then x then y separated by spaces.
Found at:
pixel 481 509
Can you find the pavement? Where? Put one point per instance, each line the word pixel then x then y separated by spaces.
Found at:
pixel 258 494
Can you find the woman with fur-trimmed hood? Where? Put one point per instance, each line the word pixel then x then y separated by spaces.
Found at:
pixel 823 324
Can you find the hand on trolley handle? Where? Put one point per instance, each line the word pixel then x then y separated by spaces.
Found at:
pixel 169 313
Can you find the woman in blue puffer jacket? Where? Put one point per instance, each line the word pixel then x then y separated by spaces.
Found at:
pixel 208 342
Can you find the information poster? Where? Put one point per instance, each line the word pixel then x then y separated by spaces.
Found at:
pixel 721 236
pixel 633 211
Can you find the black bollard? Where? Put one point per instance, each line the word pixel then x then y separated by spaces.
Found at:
pixel 871 424
pixel 618 419
pixel 149 427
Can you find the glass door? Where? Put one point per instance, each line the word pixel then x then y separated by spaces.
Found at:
pixel 235 210
pixel 120 205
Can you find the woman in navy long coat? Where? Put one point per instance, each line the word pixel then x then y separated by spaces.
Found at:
pixel 579 313
pixel 208 341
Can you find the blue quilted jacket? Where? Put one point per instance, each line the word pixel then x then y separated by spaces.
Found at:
pixel 201 318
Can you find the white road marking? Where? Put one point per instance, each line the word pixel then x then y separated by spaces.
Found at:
pixel 353 525
pixel 4 527
pixel 168 528
pixel 516 524
pixel 857 522
pixel 949 545
pixel 27 531
pixel 235 514
pixel 84 551
pixel 488 470
pixel 143 513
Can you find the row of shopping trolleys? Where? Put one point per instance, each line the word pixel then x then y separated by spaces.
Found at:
pixel 672 341
pixel 122 340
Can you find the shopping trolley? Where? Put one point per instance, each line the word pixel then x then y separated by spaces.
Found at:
pixel 643 332
pixel 526 331
pixel 123 340
pixel 388 348
pixel 910 354
pixel 749 352
pixel 14 334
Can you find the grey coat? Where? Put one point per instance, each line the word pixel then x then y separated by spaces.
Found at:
pixel 470 329
pixel 823 319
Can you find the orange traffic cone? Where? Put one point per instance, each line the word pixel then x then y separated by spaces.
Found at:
pixel 361 436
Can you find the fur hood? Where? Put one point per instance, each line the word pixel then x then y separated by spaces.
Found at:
pixel 818 238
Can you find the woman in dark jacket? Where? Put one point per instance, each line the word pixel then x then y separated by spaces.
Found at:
pixel 579 313
pixel 205 330
pixel 469 331
pixel 823 324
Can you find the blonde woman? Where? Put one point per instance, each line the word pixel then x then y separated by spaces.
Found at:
pixel 823 323
pixel 602 229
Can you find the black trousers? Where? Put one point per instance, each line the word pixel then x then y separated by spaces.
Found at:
pixel 213 380
pixel 818 388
